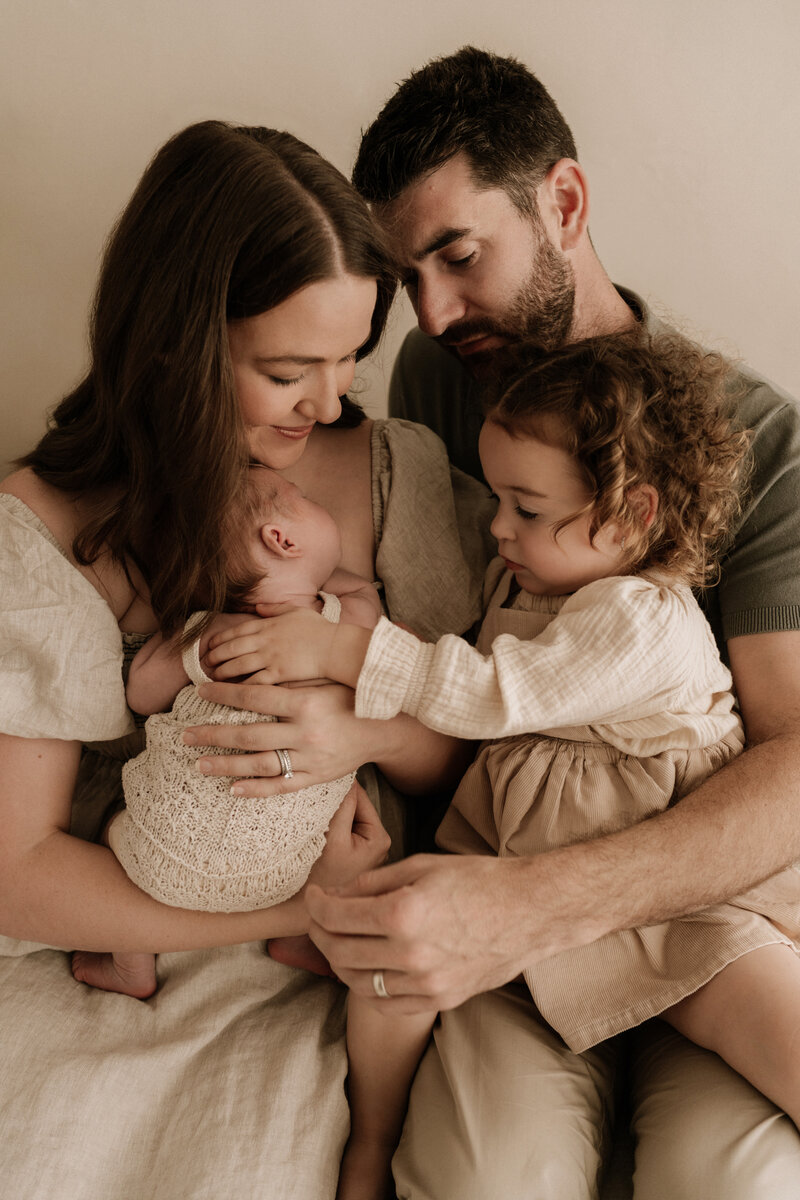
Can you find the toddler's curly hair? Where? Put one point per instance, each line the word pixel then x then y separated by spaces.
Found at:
pixel 637 409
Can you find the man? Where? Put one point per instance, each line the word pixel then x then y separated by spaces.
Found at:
pixel 473 172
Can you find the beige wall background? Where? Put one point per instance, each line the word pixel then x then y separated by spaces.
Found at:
pixel 686 115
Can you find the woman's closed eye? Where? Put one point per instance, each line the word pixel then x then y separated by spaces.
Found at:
pixel 525 513
pixel 282 382
pixel 291 380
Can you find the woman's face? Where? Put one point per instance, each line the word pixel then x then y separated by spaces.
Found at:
pixel 292 363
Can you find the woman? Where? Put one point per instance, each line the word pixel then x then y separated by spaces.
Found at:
pixel 241 284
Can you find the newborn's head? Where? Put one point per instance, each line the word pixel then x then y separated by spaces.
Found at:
pixel 280 543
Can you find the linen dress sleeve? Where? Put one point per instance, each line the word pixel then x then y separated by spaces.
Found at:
pixel 618 650
pixel 60 646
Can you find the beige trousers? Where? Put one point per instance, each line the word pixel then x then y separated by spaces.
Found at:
pixel 501 1107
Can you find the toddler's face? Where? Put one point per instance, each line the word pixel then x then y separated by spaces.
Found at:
pixel 537 485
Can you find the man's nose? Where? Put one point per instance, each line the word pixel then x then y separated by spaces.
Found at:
pixel 438 305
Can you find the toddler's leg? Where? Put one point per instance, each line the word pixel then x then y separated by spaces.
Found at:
pixel 301 952
pixel 131 974
pixel 384 1052
pixel 749 1014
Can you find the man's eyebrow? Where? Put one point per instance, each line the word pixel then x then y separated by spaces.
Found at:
pixel 446 238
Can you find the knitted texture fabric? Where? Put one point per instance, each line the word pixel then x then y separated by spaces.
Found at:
pixel 185 840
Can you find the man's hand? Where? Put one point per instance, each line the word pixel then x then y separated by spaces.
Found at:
pixel 441 928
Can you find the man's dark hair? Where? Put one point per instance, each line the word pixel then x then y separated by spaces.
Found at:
pixel 492 109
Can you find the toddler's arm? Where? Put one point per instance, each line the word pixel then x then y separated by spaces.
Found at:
pixel 617 651
pixel 293 646
pixel 254 647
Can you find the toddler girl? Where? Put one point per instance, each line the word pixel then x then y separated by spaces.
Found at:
pixel 617 474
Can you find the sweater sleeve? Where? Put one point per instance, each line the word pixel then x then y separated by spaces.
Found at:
pixel 618 650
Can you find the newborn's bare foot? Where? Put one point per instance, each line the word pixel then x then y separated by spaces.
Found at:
pixel 299 952
pixel 366 1172
pixel 131 974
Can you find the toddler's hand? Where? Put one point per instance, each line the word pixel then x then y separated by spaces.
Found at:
pixel 278 649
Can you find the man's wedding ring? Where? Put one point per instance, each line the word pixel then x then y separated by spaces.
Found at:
pixel 285 764
pixel 378 985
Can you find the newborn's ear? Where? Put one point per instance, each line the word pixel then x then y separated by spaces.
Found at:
pixel 279 541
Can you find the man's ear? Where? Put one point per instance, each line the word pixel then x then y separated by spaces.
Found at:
pixel 279 542
pixel 643 500
pixel 563 199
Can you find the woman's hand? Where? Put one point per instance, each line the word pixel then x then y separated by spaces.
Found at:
pixel 356 842
pixel 325 740
pixel 316 725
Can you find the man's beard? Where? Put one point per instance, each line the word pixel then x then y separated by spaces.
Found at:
pixel 541 312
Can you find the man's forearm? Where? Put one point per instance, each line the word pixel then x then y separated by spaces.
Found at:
pixel 740 826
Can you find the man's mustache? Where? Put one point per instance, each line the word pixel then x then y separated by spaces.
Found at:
pixel 466 330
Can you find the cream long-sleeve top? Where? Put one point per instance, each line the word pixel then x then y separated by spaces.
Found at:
pixel 629 660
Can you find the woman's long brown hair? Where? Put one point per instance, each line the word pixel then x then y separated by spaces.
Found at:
pixel 226 223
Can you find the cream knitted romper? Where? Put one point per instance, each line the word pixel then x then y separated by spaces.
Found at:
pixel 184 839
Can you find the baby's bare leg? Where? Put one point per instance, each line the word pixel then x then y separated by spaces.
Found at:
pixel 749 1014
pixel 384 1052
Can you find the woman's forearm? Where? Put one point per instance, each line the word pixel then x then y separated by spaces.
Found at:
pixel 416 759
pixel 61 890
pixel 71 893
